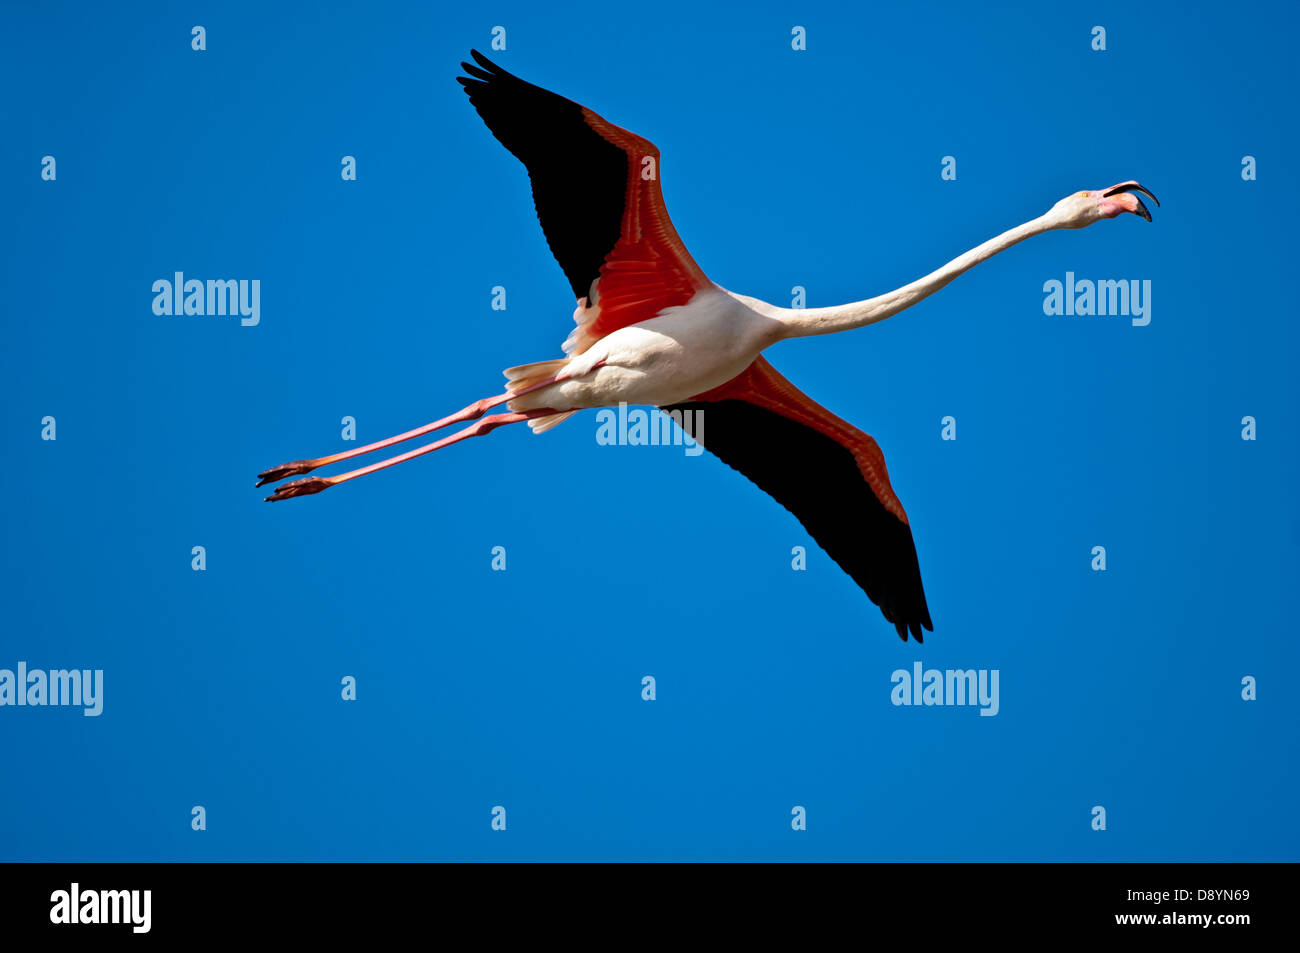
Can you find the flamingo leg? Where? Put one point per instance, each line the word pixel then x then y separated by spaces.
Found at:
pixel 473 412
pixel 311 485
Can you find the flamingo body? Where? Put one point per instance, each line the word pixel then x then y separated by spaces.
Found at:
pixel 678 353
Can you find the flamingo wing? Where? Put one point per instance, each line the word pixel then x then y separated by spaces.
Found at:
pixel 826 472
pixel 598 198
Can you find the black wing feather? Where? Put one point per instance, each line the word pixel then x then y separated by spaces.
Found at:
pixel 818 480
pixel 579 178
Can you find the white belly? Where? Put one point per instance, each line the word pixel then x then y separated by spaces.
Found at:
pixel 685 351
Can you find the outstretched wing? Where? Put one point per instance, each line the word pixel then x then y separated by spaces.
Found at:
pixel 826 472
pixel 597 194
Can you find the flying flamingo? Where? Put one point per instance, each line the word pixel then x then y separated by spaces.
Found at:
pixel 652 329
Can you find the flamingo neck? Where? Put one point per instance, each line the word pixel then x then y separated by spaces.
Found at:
pixel 803 322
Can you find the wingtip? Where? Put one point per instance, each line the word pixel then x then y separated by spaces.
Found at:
pixel 914 628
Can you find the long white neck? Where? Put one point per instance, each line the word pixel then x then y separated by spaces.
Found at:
pixel 802 322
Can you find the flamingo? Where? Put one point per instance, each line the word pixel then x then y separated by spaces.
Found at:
pixel 651 328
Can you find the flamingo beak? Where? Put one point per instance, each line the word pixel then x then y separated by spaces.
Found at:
pixel 1119 198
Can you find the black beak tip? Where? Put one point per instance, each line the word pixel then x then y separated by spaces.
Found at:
pixel 1148 193
pixel 1134 188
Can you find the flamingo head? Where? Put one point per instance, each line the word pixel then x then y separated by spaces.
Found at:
pixel 1083 208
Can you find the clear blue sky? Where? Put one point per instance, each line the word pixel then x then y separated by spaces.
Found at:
pixel 522 688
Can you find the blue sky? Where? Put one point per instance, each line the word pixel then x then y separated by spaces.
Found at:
pixel 477 688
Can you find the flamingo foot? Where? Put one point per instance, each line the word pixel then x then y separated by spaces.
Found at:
pixel 286 470
pixel 299 488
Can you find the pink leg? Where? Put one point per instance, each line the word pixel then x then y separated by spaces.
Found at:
pixel 486 425
pixel 473 412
